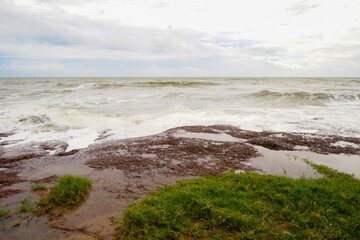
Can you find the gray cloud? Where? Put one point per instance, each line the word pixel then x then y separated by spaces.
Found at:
pixel 49 41
pixel 265 51
pixel 20 25
pixel 302 7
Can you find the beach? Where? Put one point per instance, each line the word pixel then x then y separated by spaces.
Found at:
pixel 131 136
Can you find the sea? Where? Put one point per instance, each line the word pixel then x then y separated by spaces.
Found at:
pixel 80 110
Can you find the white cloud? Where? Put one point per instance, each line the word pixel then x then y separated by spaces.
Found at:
pixel 283 38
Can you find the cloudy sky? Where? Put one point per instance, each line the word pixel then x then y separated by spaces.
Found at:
pixel 121 38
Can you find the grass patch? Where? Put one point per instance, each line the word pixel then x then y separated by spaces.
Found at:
pixel 68 192
pixel 248 206
pixel 38 187
pixel 26 206
pixel 5 213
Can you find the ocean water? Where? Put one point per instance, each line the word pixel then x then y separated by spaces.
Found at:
pixel 79 110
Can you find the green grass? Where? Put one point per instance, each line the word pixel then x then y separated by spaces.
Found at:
pixel 69 191
pixel 38 187
pixel 26 206
pixel 5 213
pixel 248 206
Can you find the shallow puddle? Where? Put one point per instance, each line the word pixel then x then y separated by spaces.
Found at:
pixel 91 220
pixel 56 169
pixel 93 216
pixel 284 163
pixel 35 229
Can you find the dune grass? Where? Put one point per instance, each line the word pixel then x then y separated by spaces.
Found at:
pixel 248 206
pixel 68 192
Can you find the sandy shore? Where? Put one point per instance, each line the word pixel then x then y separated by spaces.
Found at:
pixel 125 170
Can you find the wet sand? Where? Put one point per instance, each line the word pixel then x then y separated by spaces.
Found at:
pixel 123 171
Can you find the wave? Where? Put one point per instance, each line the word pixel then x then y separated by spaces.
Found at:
pixel 48 92
pixel 306 96
pixel 108 85
pixel 89 85
pixel 62 84
pixel 175 83
pixel 105 85
pixel 35 119
pixel 39 92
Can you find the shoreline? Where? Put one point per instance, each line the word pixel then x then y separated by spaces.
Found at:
pixel 126 170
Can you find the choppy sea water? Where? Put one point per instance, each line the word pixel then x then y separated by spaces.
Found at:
pixel 79 110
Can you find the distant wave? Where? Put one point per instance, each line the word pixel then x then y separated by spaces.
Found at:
pixel 89 85
pixel 47 92
pixel 299 96
pixel 175 83
pixel 107 85
pixel 67 84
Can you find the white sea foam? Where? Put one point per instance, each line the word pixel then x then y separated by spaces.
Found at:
pixel 77 111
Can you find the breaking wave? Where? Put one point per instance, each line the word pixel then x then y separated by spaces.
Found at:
pixel 303 96
pixel 181 83
pixel 34 119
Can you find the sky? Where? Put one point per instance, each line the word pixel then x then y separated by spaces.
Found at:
pixel 179 38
